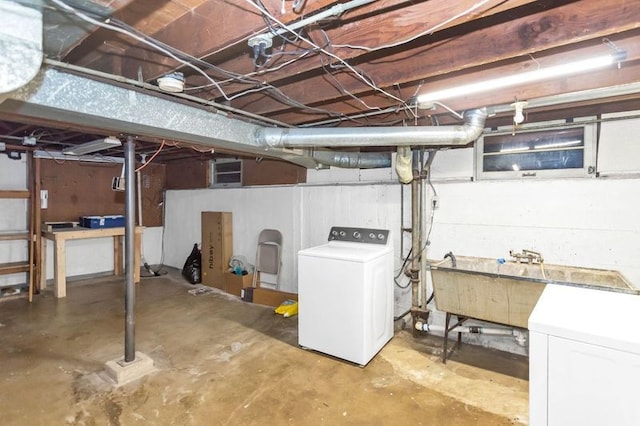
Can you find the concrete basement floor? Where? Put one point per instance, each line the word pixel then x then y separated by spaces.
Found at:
pixel 225 362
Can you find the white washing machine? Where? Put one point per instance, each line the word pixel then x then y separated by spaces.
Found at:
pixel 345 294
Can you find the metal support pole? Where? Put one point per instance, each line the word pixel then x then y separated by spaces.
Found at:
pixel 129 238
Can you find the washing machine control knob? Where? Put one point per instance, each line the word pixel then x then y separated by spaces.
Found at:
pixel 372 236
pixel 342 233
pixel 334 232
pixel 381 236
pixel 356 235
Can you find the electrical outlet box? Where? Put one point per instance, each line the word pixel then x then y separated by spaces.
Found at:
pixel 44 198
pixel 117 184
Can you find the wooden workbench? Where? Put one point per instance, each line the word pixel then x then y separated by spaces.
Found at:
pixel 60 237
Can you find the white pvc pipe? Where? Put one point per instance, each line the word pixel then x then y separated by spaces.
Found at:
pixel 519 335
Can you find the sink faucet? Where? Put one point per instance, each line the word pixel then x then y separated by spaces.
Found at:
pixel 528 256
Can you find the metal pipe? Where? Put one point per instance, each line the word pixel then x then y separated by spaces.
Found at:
pixel 353 160
pixel 336 10
pixel 424 226
pixel 129 236
pixel 415 232
pixel 421 224
pixel 457 135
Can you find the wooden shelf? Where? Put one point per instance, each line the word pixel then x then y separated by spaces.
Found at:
pixel 14 235
pixel 13 267
pixel 15 194
pixel 31 266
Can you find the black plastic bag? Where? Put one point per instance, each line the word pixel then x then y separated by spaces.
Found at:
pixel 191 268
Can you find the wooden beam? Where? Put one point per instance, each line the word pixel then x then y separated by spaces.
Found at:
pixel 629 73
pixel 214 26
pixel 562 26
pixel 384 25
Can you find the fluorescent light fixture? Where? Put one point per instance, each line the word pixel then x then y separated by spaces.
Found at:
pixel 427 99
pixel 558 144
pixel 93 146
pixel 515 149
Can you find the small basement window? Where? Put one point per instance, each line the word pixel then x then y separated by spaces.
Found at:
pixel 537 154
pixel 226 173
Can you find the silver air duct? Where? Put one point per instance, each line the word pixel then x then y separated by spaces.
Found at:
pixel 353 160
pixel 457 135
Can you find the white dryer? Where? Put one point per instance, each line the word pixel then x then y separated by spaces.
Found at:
pixel 345 294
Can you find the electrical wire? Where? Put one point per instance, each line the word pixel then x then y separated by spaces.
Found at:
pixel 346 92
pixel 326 52
pixel 143 40
pixel 233 77
pixel 179 56
pixel 165 49
pixel 155 154
pixel 404 264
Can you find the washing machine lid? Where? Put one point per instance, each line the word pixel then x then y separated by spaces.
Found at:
pixel 352 252
pixel 605 318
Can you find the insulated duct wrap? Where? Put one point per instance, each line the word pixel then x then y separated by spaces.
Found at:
pixel 20 46
pixel 403 164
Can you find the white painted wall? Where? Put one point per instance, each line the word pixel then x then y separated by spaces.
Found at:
pixel 303 214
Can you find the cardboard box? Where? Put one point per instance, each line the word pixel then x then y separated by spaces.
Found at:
pixel 217 247
pixel 265 296
pixel 233 284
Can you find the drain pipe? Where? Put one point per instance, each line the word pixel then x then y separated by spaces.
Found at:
pixel 418 307
pixel 520 336
pixel 456 135
pixel 415 234
pixel 426 209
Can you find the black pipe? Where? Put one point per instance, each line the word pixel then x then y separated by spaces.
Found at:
pixel 129 251
pixel 453 258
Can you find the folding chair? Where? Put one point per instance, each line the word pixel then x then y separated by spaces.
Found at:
pixel 268 258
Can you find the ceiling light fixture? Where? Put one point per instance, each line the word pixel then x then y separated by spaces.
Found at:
pixel 93 146
pixel 518 116
pixel 426 100
pixel 173 82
